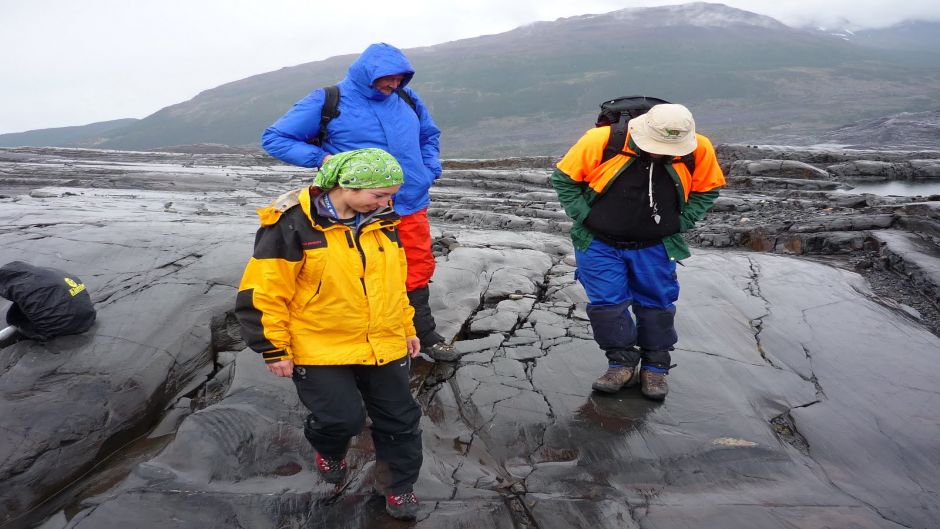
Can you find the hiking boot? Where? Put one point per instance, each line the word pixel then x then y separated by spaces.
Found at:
pixel 442 352
pixel 332 470
pixel 616 377
pixel 653 383
pixel 402 506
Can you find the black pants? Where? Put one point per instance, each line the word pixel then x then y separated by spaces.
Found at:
pixel 424 320
pixel 338 398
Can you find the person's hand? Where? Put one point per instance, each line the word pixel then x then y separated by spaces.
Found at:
pixel 414 346
pixel 325 158
pixel 284 368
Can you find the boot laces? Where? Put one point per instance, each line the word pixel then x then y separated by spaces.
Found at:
pixel 655 379
pixel 402 499
pixel 328 464
pixel 442 347
pixel 616 372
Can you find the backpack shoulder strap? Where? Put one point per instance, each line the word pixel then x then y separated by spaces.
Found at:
pixel 406 97
pixel 617 113
pixel 329 111
pixel 616 140
pixel 689 161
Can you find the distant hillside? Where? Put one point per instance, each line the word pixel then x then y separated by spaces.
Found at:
pixel 918 36
pixel 63 136
pixel 533 90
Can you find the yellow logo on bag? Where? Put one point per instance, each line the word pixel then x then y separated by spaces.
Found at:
pixel 76 288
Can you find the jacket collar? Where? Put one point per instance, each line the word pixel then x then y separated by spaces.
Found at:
pixel 319 214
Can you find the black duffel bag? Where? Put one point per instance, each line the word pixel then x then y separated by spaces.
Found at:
pixel 47 302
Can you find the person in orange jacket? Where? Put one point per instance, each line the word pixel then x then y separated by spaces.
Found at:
pixel 323 300
pixel 628 213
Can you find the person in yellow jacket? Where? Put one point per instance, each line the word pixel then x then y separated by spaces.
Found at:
pixel 628 213
pixel 323 300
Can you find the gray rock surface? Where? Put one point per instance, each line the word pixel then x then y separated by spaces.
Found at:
pixel 779 169
pixel 158 264
pixel 776 415
pixel 802 397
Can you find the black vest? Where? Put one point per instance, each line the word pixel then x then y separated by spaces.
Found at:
pixel 623 212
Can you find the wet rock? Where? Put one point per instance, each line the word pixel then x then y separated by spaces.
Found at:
pixel 777 169
pixel 525 352
pixel 524 335
pixel 494 320
pixel 728 153
pixel 844 223
pixel 723 204
pixel 872 168
pixel 513 435
pixel 159 291
pixel 521 162
pixel 74 399
pixel 518 303
pixel 758 183
pixel 929 210
pixel 851 201
pixel 912 256
pixel 925 168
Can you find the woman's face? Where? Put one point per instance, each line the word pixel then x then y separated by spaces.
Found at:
pixel 366 200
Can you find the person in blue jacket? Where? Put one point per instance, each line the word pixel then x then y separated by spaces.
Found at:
pixel 373 113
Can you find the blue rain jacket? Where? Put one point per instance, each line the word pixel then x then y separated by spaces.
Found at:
pixel 368 118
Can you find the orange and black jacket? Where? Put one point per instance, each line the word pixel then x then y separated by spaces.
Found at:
pixel 580 178
pixel 320 293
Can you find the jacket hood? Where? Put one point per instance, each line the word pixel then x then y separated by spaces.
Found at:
pixel 378 61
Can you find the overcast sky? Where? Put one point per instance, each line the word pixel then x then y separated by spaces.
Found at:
pixel 67 62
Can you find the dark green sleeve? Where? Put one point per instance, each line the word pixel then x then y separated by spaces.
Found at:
pixel 571 194
pixel 695 209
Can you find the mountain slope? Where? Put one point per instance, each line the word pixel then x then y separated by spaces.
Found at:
pixel 533 90
pixel 921 36
pixel 63 136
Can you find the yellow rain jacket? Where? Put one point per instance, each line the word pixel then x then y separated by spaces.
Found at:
pixel 320 293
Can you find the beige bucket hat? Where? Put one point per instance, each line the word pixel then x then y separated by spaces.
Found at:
pixel 665 129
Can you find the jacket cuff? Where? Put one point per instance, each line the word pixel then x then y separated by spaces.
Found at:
pixel 580 211
pixel 275 356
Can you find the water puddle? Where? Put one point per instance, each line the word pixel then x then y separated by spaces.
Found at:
pixel 904 188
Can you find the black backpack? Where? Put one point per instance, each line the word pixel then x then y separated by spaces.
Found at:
pixel 617 113
pixel 330 110
pixel 47 302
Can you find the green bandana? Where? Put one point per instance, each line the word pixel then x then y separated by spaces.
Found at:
pixel 360 169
